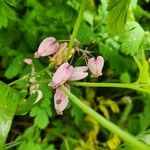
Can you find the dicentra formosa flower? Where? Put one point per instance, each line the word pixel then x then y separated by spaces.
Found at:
pixel 66 72
pixel 61 75
pixel 95 65
pixel 47 47
pixel 60 100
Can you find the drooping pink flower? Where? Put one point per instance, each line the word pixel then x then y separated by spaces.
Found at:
pixel 60 100
pixel 28 61
pixel 61 75
pixel 47 47
pixel 95 65
pixel 79 73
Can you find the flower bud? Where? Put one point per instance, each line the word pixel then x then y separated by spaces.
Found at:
pixel 28 61
pixel 47 47
pixel 59 56
pixel 78 73
pixel 61 75
pixel 60 100
pixel 95 65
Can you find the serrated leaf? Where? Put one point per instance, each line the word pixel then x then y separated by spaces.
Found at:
pixel 85 34
pixel 15 67
pixel 62 12
pixel 8 104
pixel 47 97
pixel 41 119
pixel 34 111
pixel 116 16
pixel 132 39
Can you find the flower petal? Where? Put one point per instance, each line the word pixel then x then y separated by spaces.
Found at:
pixel 47 47
pixel 78 73
pixel 60 100
pixel 95 65
pixel 61 75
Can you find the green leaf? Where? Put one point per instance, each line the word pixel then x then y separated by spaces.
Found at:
pixel 125 77
pixel 62 12
pixel 5 13
pixel 85 34
pixel 11 2
pixel 132 39
pixel 15 67
pixel 9 12
pixel 41 119
pixel 77 114
pixel 116 16
pixel 25 105
pixel 8 104
pixel 42 111
pixel 3 18
pixel 30 145
pixel 145 116
pixel 145 138
pixel 51 147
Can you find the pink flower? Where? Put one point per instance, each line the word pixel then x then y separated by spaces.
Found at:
pixel 47 47
pixel 95 65
pixel 61 75
pixel 60 100
pixel 28 61
pixel 78 73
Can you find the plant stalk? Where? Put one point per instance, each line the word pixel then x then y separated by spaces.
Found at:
pixel 133 86
pixel 77 24
pixel 106 123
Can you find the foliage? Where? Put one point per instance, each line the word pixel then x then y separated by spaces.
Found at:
pixel 120 33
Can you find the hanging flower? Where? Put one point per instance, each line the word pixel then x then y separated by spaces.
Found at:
pixel 47 47
pixel 60 100
pixel 61 75
pixel 79 73
pixel 95 65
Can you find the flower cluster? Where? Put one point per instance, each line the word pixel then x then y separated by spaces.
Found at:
pixel 65 71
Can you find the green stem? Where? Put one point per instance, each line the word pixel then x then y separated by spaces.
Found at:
pixel 20 79
pixel 107 124
pixel 133 86
pixel 126 112
pixel 73 36
pixel 28 76
pixel 12 144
